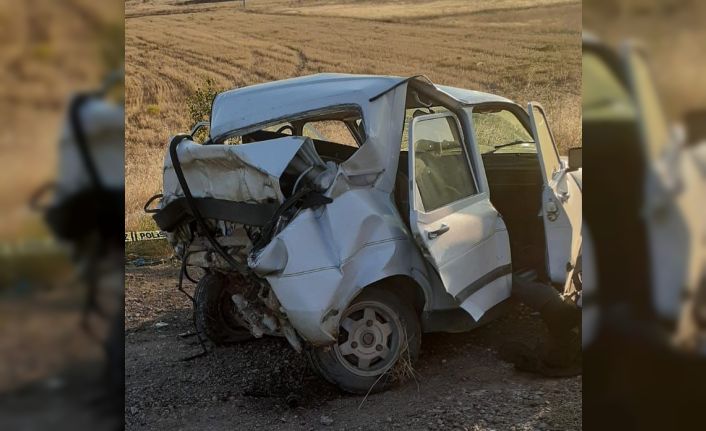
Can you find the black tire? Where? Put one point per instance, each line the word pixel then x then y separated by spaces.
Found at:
pixel 343 370
pixel 214 312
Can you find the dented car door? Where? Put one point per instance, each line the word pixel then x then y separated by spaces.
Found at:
pixel 561 201
pixel 452 219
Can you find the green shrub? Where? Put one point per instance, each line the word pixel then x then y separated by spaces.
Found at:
pixel 199 103
pixel 153 109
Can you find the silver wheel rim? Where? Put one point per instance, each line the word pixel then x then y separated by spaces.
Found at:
pixel 369 338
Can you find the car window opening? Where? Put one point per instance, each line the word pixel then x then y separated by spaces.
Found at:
pixel 443 173
pixel 336 134
pixel 514 175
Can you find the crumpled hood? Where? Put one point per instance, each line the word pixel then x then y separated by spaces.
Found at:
pixel 241 173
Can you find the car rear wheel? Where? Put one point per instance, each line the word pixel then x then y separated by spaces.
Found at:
pixel 377 331
pixel 214 311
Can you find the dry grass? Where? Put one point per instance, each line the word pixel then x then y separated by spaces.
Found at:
pixel 520 49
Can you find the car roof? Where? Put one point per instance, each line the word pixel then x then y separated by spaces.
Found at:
pixel 246 106
pixel 320 85
pixel 323 85
pixel 471 97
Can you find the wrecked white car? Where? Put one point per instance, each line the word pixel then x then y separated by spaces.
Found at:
pixel 351 213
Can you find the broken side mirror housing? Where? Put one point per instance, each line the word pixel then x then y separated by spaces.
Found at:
pixel 575 158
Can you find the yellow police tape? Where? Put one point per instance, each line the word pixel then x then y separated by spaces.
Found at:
pixel 147 235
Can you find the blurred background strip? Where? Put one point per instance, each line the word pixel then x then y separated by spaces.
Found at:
pixel 61 294
pixel 644 113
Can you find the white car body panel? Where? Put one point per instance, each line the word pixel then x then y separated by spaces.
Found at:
pixel 488 296
pixel 251 106
pixel 241 173
pixel 561 204
pixel 475 245
pixel 327 267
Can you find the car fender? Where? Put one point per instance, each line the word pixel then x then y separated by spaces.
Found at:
pixel 335 251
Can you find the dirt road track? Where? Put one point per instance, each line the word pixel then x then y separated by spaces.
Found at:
pixel 263 384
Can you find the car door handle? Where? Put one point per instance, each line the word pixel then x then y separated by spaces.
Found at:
pixel 432 234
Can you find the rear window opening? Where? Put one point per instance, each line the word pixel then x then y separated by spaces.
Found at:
pixel 336 133
pixel 514 177
pixel 499 131
pixel 341 125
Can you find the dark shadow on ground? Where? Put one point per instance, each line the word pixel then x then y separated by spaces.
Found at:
pixel 75 398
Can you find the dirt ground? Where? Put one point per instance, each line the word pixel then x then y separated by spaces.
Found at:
pixel 461 382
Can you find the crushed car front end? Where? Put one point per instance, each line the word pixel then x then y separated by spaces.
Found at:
pixel 296 227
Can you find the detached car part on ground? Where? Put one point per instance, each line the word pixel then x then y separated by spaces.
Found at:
pixel 352 251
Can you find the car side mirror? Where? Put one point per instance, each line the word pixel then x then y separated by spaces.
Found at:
pixel 695 125
pixel 575 158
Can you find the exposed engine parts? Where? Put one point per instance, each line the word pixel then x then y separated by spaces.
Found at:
pixel 219 233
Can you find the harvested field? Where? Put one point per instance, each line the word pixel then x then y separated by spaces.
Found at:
pixel 520 49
